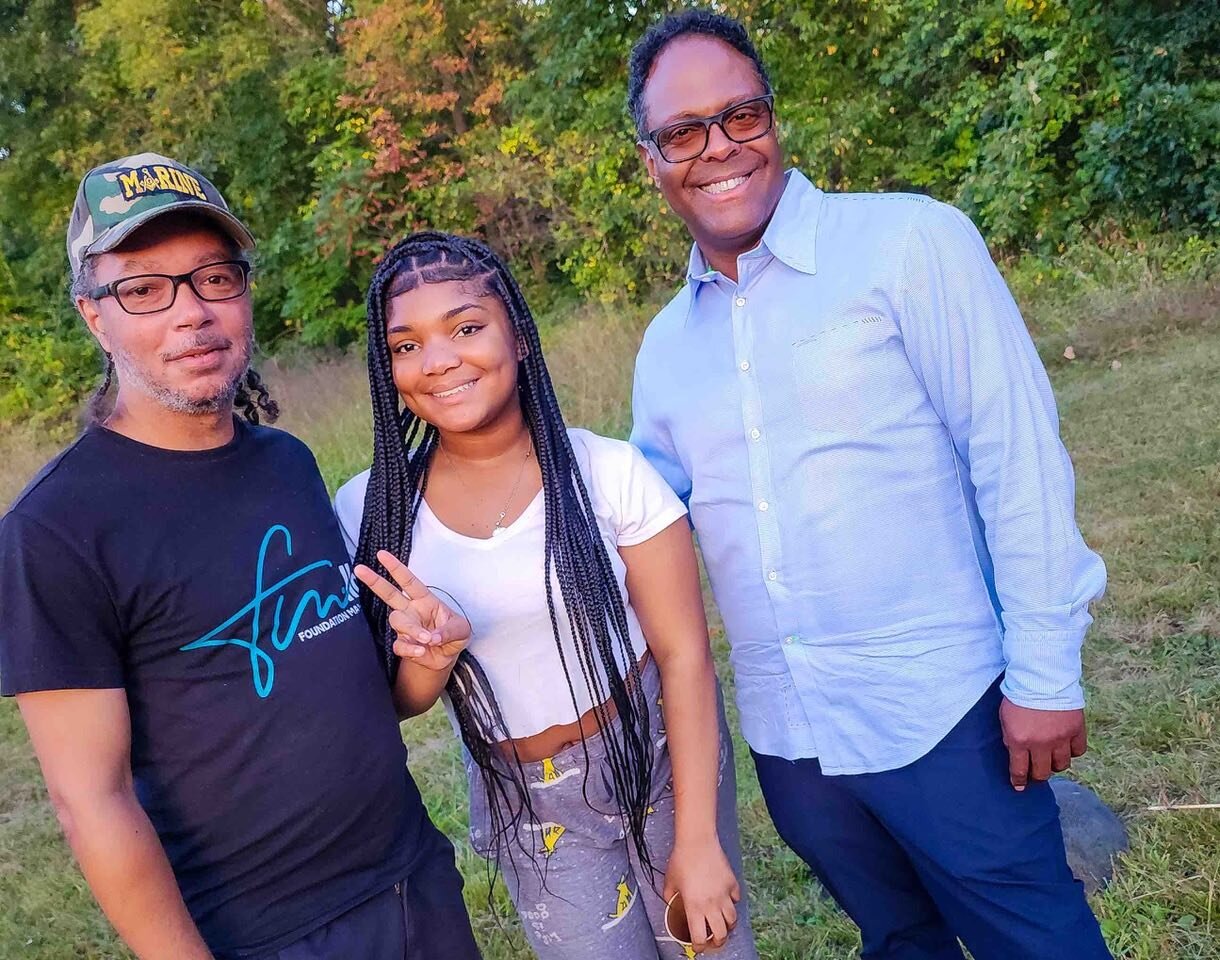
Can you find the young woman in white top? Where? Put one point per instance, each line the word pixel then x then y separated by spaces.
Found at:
pixel 553 598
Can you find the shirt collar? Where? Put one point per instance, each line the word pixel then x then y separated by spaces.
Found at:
pixel 790 236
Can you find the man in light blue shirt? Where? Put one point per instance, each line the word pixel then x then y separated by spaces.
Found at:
pixel 845 395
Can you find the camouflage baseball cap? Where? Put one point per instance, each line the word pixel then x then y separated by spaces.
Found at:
pixel 117 198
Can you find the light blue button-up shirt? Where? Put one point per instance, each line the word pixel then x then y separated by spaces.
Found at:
pixel 870 451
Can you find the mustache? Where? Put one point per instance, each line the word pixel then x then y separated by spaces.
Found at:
pixel 198 343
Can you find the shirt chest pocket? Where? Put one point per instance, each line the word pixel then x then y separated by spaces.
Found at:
pixel 852 374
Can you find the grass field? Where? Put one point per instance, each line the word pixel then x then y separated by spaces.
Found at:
pixel 1141 416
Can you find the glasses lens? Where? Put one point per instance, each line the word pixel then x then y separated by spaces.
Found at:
pixel 219 281
pixel 682 141
pixel 748 121
pixel 145 294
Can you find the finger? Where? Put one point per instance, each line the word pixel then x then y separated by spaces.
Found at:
pixel 1040 763
pixel 406 624
pixel 735 892
pixel 410 584
pixel 720 930
pixel 698 928
pixel 454 630
pixel 1018 767
pixel 409 651
pixel 1061 756
pixel 730 914
pixel 1080 743
pixel 382 588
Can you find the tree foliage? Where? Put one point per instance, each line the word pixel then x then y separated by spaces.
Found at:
pixel 334 127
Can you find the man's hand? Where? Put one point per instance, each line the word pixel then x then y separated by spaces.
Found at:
pixel 1040 741
pixel 702 875
pixel 429 633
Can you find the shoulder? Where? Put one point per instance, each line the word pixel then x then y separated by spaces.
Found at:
pixel 349 499
pixel 65 478
pixel 608 462
pixel 278 442
pixel 878 214
pixel 597 448
pixel 669 320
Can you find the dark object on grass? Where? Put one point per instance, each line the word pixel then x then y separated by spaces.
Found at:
pixel 1093 835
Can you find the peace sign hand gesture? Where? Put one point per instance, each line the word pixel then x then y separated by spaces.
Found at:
pixel 429 633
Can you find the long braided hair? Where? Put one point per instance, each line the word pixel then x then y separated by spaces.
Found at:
pixel 403 446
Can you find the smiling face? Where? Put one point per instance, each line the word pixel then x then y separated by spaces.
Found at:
pixel 454 355
pixel 725 196
pixel 190 357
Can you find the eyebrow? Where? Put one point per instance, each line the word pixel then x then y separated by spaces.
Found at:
pixel 724 105
pixel 135 263
pixel 445 317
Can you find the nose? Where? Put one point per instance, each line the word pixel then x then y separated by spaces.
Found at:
pixel 190 309
pixel 439 357
pixel 719 146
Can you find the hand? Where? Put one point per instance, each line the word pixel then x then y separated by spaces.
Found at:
pixel 429 633
pixel 701 873
pixel 1040 741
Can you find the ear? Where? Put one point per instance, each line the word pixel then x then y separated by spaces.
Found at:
pixel 94 321
pixel 644 149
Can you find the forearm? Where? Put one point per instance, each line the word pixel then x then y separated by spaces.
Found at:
pixel 692 725
pixel 127 870
pixel 417 688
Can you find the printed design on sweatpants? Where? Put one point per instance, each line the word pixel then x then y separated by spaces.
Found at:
pixel 663 734
pixel 624 900
pixel 552 777
pixel 549 832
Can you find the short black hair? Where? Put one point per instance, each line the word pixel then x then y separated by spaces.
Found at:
pixel 701 23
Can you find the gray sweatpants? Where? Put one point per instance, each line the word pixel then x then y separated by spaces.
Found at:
pixel 598 902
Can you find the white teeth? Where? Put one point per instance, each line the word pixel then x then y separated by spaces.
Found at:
pixel 724 186
pixel 456 390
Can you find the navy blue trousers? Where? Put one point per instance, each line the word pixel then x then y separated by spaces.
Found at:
pixel 422 917
pixel 940 849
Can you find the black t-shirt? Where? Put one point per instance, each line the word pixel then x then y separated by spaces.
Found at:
pixel 214 588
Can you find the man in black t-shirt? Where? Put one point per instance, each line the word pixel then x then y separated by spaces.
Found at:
pixel 182 631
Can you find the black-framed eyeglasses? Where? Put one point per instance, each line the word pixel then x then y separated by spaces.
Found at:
pixel 154 292
pixel 742 122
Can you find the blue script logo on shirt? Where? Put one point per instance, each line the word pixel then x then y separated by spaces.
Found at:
pixel 262 666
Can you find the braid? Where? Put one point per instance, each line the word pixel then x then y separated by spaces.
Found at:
pixel 93 409
pixel 253 397
pixel 403 446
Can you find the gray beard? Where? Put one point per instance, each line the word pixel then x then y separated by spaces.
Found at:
pixel 133 375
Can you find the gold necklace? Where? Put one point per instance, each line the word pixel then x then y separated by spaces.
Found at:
pixel 499 527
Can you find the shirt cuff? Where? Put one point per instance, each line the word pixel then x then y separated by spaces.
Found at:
pixel 1043 671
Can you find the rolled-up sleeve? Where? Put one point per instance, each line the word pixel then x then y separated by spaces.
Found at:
pixel 968 344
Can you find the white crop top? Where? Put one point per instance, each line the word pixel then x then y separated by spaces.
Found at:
pixel 499 582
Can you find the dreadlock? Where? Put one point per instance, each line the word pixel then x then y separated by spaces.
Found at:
pixel 403 446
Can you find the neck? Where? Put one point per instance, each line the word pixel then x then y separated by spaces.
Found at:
pixel 505 438
pixel 723 258
pixel 142 418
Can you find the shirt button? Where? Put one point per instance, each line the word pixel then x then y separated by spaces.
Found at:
pixel 755 433
pixel 764 506
pixel 771 575
pixel 745 364
pixel 788 641
pixel 741 301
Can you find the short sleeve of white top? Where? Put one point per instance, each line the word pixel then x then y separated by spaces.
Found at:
pixel 499 582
